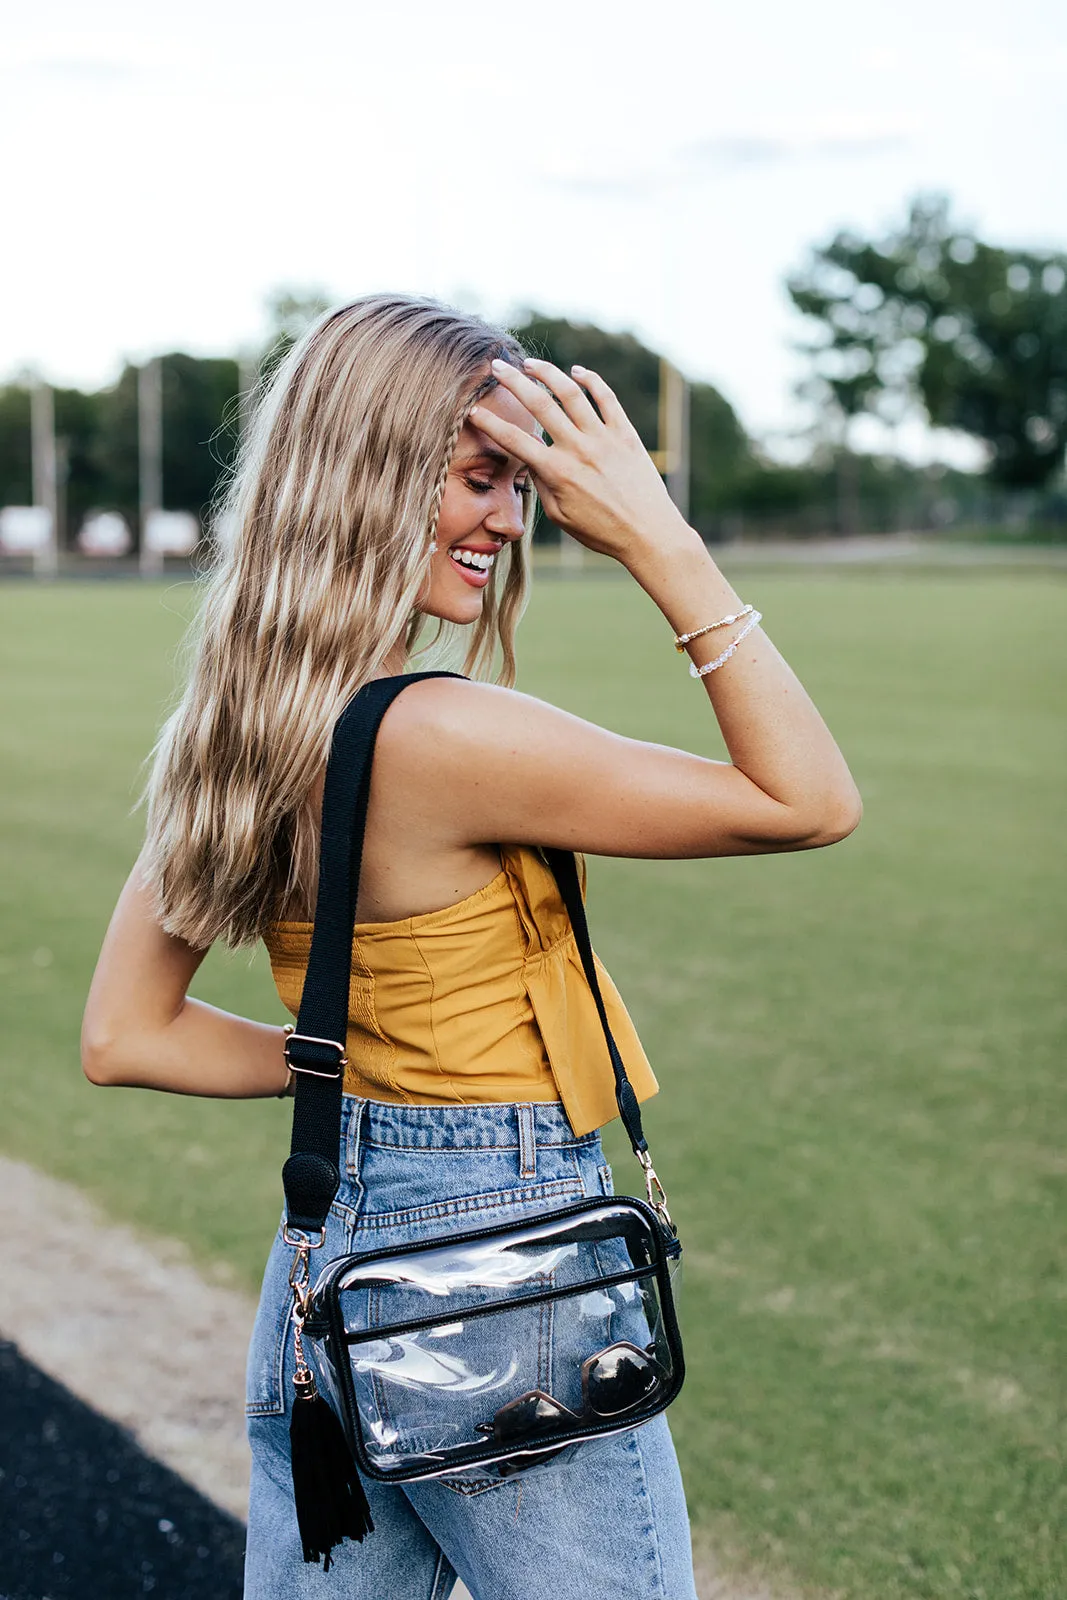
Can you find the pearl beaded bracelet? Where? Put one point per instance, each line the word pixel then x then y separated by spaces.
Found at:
pixel 754 621
pixel 682 639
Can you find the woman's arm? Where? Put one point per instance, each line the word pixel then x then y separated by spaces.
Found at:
pixel 516 770
pixel 141 1030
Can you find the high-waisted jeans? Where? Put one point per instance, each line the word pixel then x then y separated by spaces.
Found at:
pixel 603 1519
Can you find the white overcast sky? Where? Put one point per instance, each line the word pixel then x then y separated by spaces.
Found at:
pixel 657 167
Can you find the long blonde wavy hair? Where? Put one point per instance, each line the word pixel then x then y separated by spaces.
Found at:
pixel 323 548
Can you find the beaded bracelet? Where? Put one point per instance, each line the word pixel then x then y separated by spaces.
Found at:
pixel 682 639
pixel 710 666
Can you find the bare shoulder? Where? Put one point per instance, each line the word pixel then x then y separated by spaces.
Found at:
pixel 492 764
pixel 484 746
pixel 449 721
pixel 468 764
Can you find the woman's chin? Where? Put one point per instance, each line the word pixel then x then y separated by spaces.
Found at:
pixel 461 609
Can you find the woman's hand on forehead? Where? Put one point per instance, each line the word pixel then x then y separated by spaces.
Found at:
pixel 595 478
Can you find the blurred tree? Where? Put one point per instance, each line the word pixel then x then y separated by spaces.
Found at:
pixel 720 452
pixel 81 487
pixel 16 469
pixel 199 429
pixel 721 458
pixel 113 453
pixel 976 333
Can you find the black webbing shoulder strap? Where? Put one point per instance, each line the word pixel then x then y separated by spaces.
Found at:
pixel 565 871
pixel 316 1050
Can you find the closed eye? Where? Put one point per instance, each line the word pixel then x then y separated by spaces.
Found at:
pixel 480 486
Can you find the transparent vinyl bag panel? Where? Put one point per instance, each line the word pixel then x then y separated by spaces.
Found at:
pixel 447 1366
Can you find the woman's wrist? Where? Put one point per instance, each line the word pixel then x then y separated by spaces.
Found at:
pixel 678 573
pixel 652 550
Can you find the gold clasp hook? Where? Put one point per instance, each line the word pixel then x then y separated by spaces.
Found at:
pixel 300 1279
pixel 657 1195
pixel 300 1283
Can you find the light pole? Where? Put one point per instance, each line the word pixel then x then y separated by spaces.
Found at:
pixel 45 477
pixel 150 457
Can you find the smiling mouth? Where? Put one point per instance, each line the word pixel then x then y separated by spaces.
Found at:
pixel 476 560
pixel 473 566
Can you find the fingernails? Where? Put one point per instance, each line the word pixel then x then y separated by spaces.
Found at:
pixel 498 365
pixel 579 371
pixel 475 411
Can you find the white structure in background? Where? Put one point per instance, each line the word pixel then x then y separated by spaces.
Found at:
pixel 27 531
pixel 34 530
pixel 104 533
pixel 169 533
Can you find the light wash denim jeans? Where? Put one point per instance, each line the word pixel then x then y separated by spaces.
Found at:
pixel 604 1519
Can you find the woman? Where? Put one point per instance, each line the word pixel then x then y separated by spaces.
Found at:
pixel 389 480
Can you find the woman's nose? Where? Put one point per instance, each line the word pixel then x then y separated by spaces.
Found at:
pixel 506 520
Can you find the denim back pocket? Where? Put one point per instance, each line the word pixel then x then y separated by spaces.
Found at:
pixel 269 1347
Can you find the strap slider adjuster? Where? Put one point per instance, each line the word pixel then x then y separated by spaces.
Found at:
pixel 315 1071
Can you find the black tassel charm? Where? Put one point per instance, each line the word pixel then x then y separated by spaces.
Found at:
pixel 331 1504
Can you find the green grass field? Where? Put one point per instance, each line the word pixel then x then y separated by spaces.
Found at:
pixel 861 1052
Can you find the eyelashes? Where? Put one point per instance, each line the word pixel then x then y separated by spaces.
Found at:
pixel 480 486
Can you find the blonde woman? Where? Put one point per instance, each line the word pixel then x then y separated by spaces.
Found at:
pixel 388 484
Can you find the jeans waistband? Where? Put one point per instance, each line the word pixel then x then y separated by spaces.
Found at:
pixel 455 1127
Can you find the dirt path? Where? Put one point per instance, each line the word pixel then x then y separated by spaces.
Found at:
pixel 131 1328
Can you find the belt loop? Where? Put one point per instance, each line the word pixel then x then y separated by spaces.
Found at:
pixel 353 1153
pixel 527 1142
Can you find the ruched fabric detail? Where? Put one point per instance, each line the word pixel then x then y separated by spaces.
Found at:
pixel 483 1002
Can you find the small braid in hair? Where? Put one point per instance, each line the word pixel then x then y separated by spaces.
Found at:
pixel 483 389
pixel 416 621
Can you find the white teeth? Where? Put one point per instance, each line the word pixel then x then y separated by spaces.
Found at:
pixel 481 562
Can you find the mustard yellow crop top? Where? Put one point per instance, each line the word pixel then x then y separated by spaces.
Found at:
pixel 485 1001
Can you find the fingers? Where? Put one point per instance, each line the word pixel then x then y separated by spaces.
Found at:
pixel 556 397
pixel 570 395
pixel 605 397
pixel 516 441
pixel 537 399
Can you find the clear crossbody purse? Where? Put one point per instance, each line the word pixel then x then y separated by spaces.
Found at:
pixel 493 1349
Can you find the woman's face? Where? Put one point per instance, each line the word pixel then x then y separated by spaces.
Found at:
pixel 481 511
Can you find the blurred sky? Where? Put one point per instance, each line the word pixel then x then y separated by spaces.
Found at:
pixel 657 166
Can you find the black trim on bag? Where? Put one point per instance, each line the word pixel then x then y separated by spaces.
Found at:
pixel 666 1246
pixel 329 1317
pixel 445 1317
